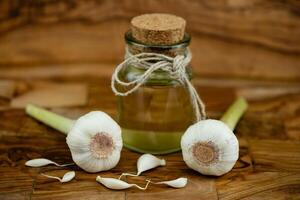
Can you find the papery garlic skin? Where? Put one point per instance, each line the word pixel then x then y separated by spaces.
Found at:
pixel 216 141
pixel 95 142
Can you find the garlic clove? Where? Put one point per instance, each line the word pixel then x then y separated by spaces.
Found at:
pixel 95 142
pixel 210 147
pixel 40 162
pixel 66 178
pixel 146 162
pixel 112 183
pixel 117 184
pixel 176 183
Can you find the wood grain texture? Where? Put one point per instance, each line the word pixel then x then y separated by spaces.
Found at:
pixel 269 155
pixel 7 89
pixel 265 185
pixel 51 95
pixel 268 165
pixel 255 39
pixel 240 47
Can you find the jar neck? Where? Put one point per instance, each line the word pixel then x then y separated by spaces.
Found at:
pixel 135 47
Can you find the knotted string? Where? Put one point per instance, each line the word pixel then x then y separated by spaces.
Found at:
pixel 151 62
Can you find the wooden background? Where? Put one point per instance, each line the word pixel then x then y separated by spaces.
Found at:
pixel 60 54
pixel 230 38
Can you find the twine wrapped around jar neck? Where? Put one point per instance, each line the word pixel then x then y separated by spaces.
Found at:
pixel 151 62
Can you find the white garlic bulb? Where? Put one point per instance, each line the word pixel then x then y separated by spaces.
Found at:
pixel 210 147
pixel 94 139
pixel 95 142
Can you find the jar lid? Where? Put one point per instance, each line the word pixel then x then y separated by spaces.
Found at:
pixel 158 29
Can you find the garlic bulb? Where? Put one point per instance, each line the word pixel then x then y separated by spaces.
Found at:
pixel 146 162
pixel 95 142
pixel 117 184
pixel 66 178
pixel 94 139
pixel 209 146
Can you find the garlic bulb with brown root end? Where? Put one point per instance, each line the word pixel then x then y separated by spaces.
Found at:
pixel 95 142
pixel 94 139
pixel 209 146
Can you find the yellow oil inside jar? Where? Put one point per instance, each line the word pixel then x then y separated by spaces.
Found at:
pixel 154 118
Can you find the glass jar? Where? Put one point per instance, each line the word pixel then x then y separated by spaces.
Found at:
pixel 154 117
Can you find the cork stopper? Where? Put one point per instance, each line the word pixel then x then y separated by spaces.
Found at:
pixel 158 29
